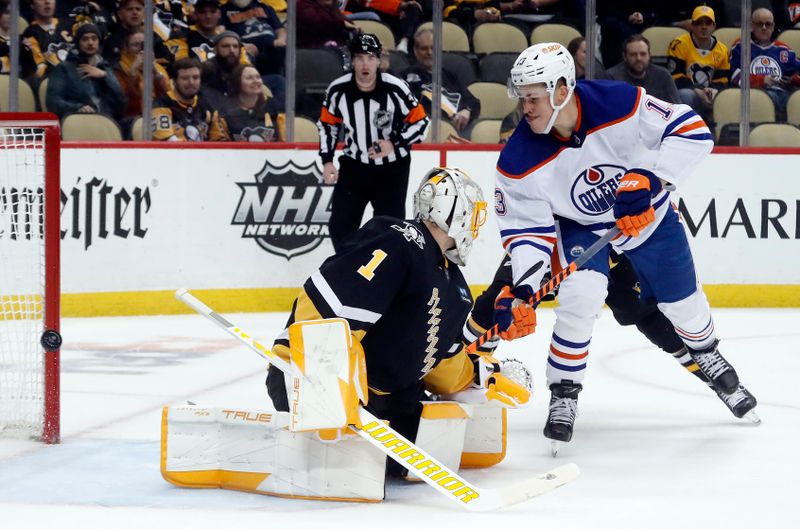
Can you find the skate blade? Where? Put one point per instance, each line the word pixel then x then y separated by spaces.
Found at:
pixel 554 446
pixel 753 417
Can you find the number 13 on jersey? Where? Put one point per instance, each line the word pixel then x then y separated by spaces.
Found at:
pixel 368 270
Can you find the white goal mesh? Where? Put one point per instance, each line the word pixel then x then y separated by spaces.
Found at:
pixel 22 276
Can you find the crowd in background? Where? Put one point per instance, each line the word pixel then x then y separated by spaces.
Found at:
pixel 219 65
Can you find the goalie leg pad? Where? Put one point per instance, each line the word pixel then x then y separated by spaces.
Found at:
pixel 441 430
pixel 485 437
pixel 254 451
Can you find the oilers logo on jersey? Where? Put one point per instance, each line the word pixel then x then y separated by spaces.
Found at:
pixel 593 192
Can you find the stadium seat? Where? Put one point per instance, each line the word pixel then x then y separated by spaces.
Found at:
pixel 491 37
pixel 461 66
pixel 137 130
pixel 316 68
pixel 495 103
pixel 495 67
pixel 560 33
pixel 775 135
pixel 398 62
pixel 380 30
pixel 445 130
pixel 90 127
pixel 454 38
pixel 25 98
pixel 728 35
pixel 793 109
pixel 727 107
pixel 791 37
pixel 660 37
pixel 486 131
pixel 43 93
pixel 305 130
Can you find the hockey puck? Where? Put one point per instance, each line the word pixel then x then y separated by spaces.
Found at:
pixel 51 340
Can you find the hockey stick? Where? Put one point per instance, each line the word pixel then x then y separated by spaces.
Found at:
pixel 411 456
pixel 548 287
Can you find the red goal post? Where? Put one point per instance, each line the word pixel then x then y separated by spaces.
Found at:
pixel 30 205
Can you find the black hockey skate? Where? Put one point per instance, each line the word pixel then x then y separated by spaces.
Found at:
pixel 741 403
pixel 563 409
pixel 716 368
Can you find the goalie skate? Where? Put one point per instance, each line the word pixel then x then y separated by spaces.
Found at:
pixel 563 410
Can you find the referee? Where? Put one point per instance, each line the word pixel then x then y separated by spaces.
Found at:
pixel 381 119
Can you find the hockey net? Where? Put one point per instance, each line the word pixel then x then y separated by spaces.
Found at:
pixel 29 276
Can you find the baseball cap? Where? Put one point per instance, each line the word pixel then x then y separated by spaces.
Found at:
pixel 202 3
pixel 703 11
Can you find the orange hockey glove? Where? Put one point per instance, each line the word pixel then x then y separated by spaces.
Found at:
pixel 633 209
pixel 513 314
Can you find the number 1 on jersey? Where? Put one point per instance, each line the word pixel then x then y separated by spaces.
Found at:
pixel 368 270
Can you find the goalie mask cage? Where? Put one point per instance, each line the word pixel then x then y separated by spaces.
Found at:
pixel 30 200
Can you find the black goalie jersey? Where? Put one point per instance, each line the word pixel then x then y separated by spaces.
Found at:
pixel 403 300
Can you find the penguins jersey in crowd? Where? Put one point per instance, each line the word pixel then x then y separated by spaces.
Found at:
pixel 47 46
pixel 776 61
pixel 390 112
pixel 619 127
pixel 260 124
pixel 195 44
pixel 404 301
pixel 691 67
pixel 176 121
pixel 256 22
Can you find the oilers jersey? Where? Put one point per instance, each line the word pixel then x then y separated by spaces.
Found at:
pixel 619 127
pixel 776 60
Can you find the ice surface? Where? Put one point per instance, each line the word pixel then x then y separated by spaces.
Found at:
pixel 656 448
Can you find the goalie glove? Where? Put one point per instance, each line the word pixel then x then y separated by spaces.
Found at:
pixel 506 384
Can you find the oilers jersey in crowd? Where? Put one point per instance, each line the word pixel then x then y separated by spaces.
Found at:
pixel 775 60
pixel 619 127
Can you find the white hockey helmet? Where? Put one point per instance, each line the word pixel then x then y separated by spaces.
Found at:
pixel 453 202
pixel 544 63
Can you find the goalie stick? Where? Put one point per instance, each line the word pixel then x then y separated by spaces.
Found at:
pixel 402 450
pixel 550 285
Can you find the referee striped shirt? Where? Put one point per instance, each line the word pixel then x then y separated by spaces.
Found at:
pixel 389 112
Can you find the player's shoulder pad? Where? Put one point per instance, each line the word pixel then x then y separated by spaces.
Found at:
pixel 605 102
pixel 525 151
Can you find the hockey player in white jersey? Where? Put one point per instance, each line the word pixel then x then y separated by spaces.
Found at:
pixel 592 155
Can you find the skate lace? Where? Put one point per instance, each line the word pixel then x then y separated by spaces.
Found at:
pixel 734 398
pixel 712 364
pixel 563 410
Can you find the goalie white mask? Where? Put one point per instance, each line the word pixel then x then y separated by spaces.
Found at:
pixel 453 202
pixel 545 63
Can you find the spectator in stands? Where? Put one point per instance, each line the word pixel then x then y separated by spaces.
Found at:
pixel 46 40
pixel 510 122
pixel 402 16
pixel 577 48
pixel 249 115
pixel 77 12
pixel 321 23
pixel 699 63
pixel 261 31
pixel 181 114
pixel 680 13
pixel 130 74
pixel 198 40
pixel 84 82
pixel 5 34
pixel 458 104
pixel 216 70
pixel 130 17
pixel 637 70
pixel 618 21
pixel 773 65
pixel 469 14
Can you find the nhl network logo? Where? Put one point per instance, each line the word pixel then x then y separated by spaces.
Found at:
pixel 286 210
